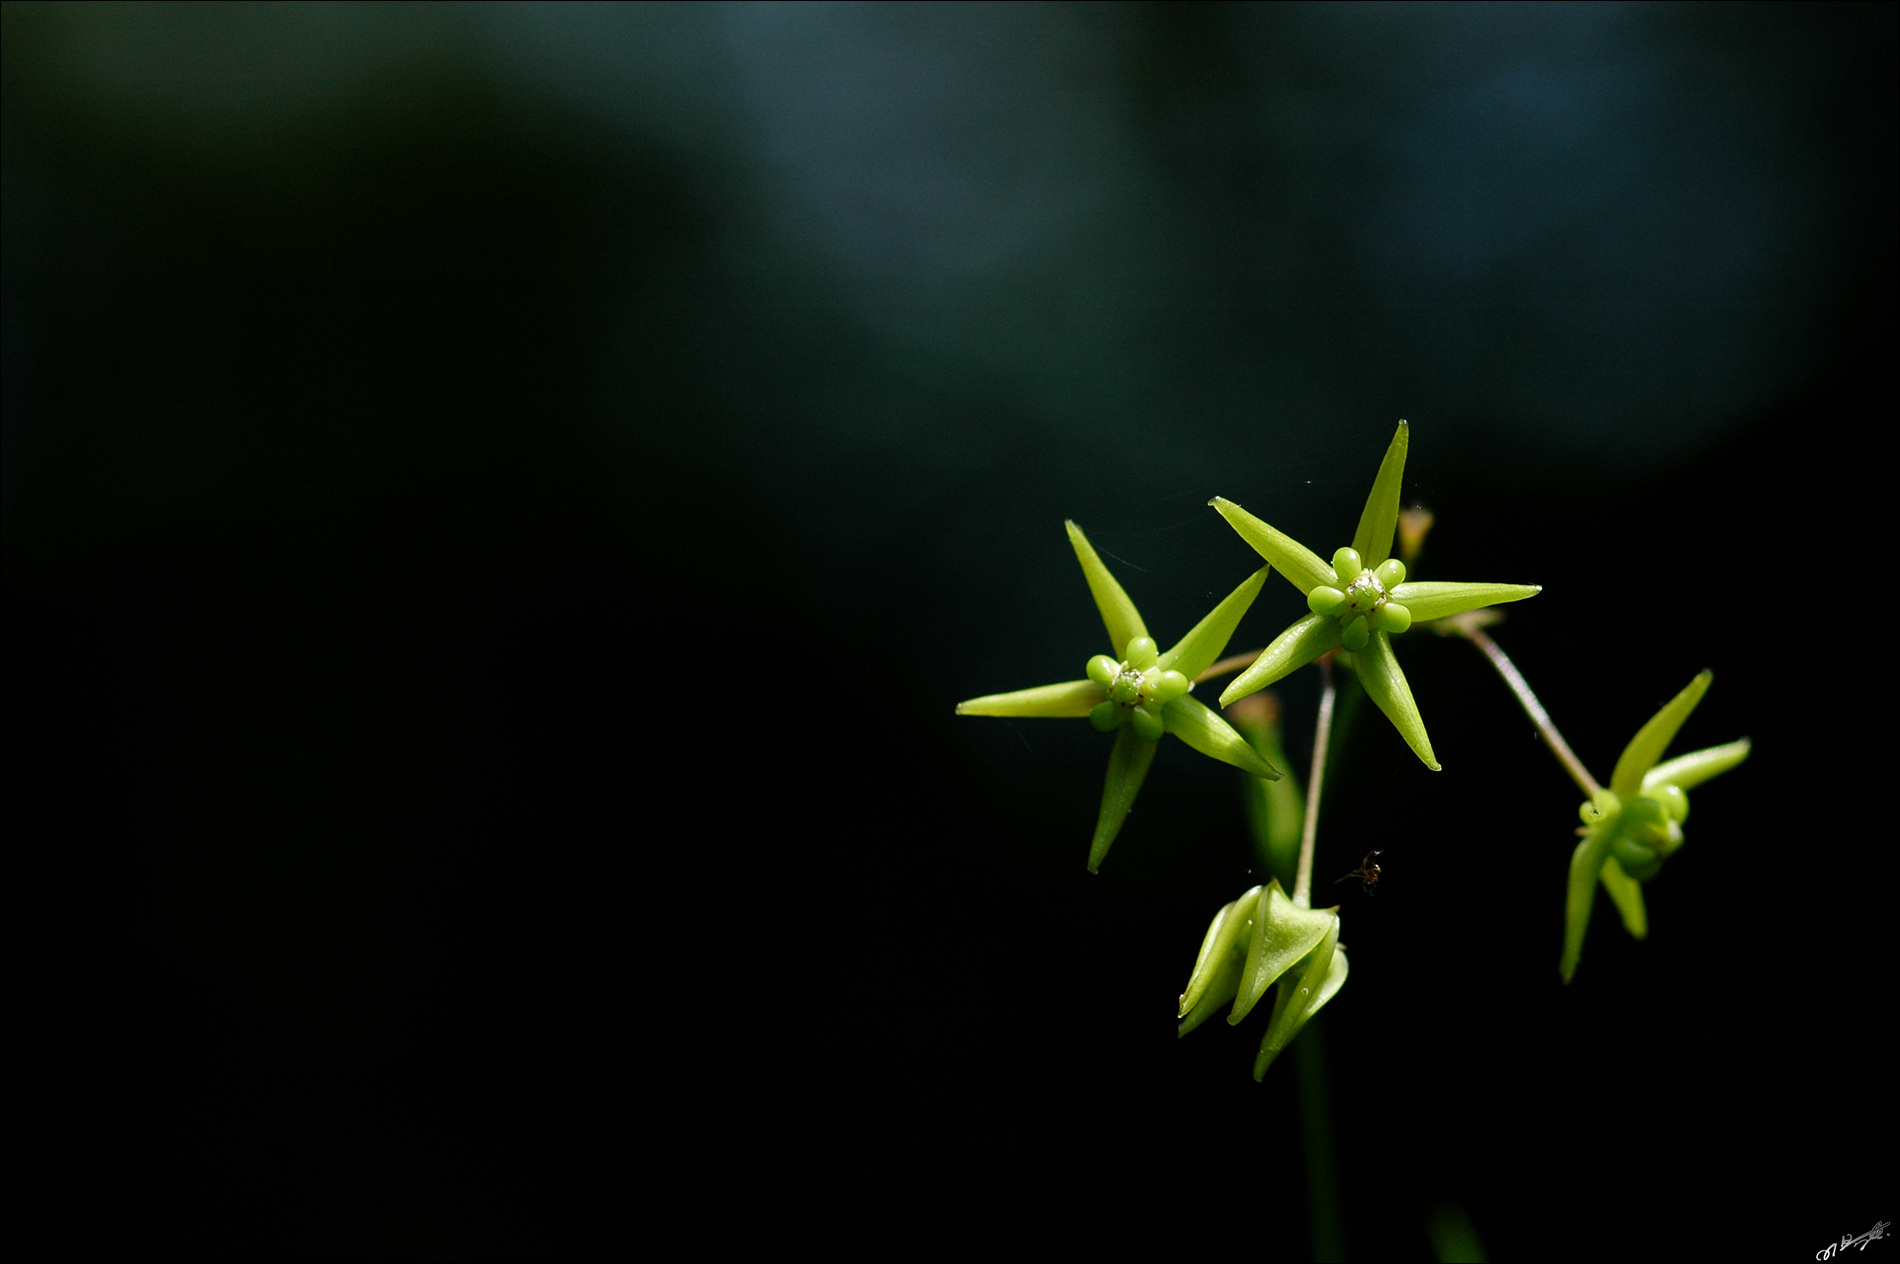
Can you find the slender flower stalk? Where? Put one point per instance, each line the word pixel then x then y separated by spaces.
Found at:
pixel 1309 832
pixel 1471 629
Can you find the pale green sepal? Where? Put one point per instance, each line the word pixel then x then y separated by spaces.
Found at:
pixel 1218 945
pixel 1196 652
pixel 1128 765
pixel 1653 738
pixel 1191 720
pixel 1385 684
pixel 1283 933
pixel 1436 598
pixel 1119 615
pixel 1585 864
pixel 1686 772
pixel 1223 983
pixel 1064 701
pixel 1373 540
pixel 1627 893
pixel 1301 998
pixel 1293 649
pixel 1305 569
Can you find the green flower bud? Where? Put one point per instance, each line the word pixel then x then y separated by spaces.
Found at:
pixel 1603 806
pixel 1639 860
pixel 1392 618
pixel 1354 633
pixel 1102 670
pixel 1672 840
pixel 1148 726
pixel 1645 820
pixel 1390 572
pixel 1346 564
pixel 1106 717
pixel 1674 801
pixel 1324 600
pixel 1165 686
pixel 1142 652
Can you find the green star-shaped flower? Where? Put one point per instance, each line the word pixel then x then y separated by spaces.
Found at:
pixel 1359 602
pixel 1139 695
pixel 1636 824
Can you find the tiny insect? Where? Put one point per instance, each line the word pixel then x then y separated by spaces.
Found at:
pixel 1367 872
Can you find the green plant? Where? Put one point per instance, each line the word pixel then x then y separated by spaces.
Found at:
pixel 1357 604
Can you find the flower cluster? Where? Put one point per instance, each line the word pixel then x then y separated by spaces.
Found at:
pixel 1635 824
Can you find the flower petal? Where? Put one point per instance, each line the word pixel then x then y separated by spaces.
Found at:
pixel 1119 615
pixel 1385 684
pixel 1223 983
pixel 1223 934
pixel 1293 649
pixel 1196 652
pixel 1654 737
pixel 1686 772
pixel 1283 934
pixel 1128 767
pixel 1300 998
pixel 1627 892
pixel 1435 599
pixel 1373 539
pixel 1585 864
pixel 1298 563
pixel 1191 720
pixel 1069 699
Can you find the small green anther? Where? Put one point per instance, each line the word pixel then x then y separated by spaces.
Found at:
pixel 1166 686
pixel 1672 839
pixel 1639 861
pixel 1325 600
pixel 1645 819
pixel 1147 724
pixel 1354 633
pixel 1674 802
pixel 1102 670
pixel 1390 572
pixel 1346 564
pixel 1142 653
pixel 1126 689
pixel 1106 717
pixel 1392 618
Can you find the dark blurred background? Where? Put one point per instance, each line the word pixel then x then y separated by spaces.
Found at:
pixel 500 504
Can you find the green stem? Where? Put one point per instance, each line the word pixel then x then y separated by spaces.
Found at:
pixel 1309 832
pixel 1473 632
pixel 1316 1125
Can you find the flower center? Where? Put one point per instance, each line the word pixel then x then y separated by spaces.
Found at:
pixel 1137 688
pixel 1365 594
pixel 1362 600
